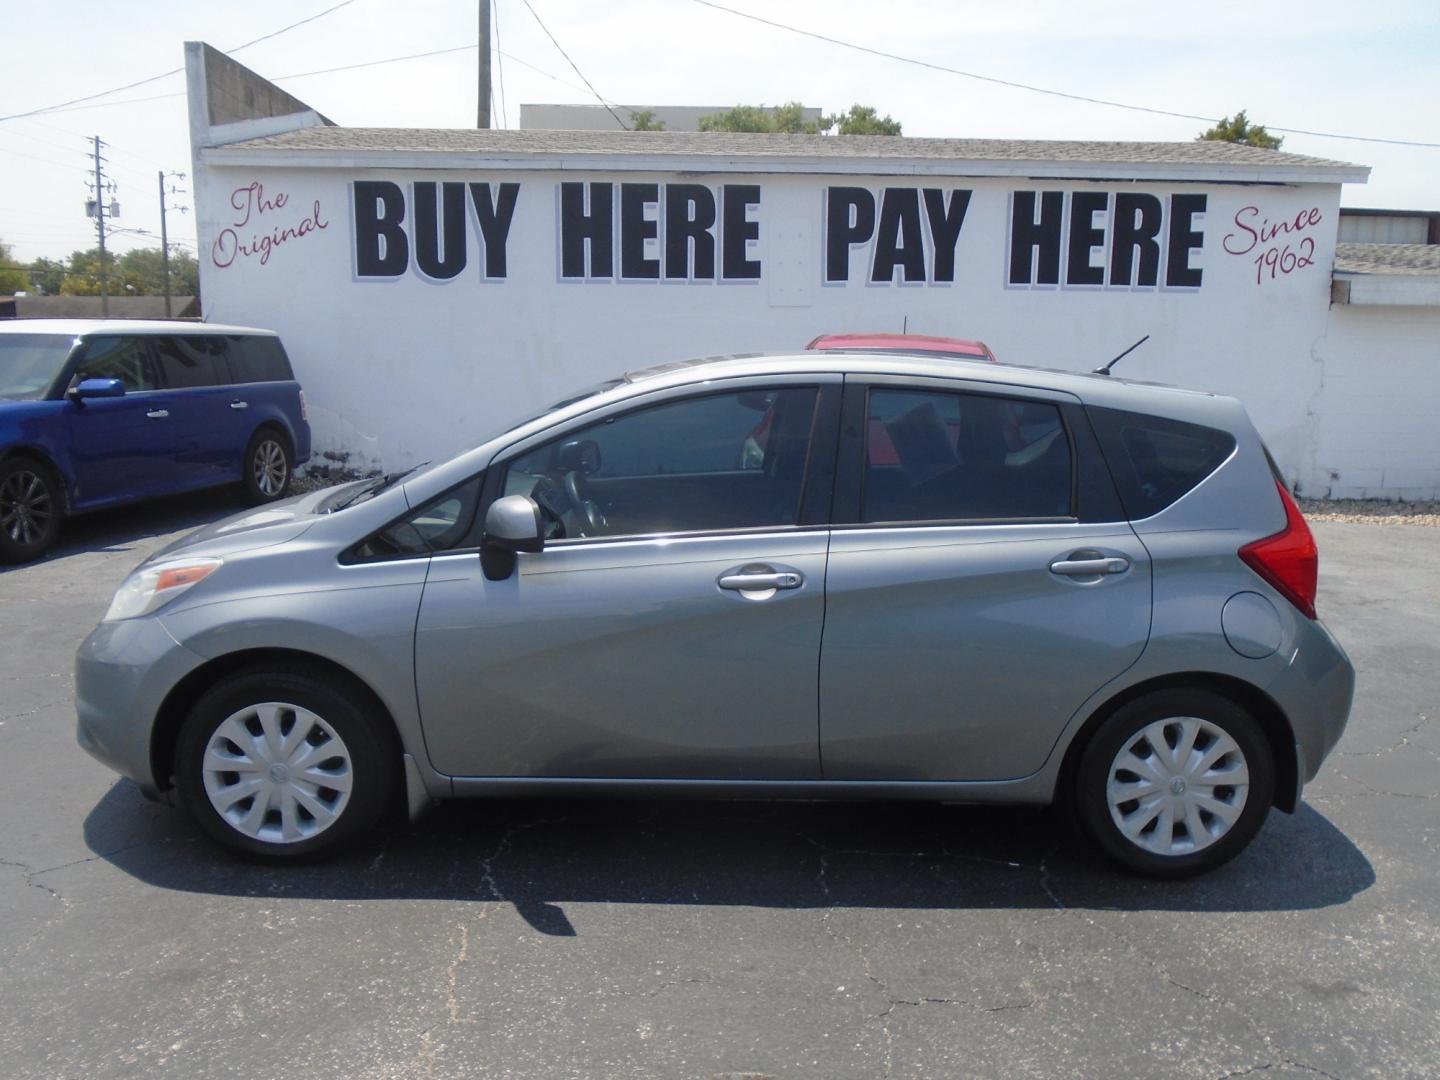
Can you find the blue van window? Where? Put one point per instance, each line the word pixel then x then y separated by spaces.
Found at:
pixel 123 358
pixel 258 358
pixel 191 360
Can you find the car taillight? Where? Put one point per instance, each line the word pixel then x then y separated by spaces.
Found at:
pixel 1288 560
pixel 304 411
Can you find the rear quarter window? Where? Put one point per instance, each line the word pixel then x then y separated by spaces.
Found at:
pixel 190 360
pixel 258 358
pixel 1154 460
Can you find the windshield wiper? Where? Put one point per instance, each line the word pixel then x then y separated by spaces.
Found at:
pixel 374 486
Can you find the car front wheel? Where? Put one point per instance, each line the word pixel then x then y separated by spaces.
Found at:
pixel 29 509
pixel 284 765
pixel 1175 783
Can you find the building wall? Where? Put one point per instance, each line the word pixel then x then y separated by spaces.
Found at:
pixel 404 368
pixel 1375 434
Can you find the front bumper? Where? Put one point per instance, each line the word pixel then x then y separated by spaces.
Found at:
pixel 123 673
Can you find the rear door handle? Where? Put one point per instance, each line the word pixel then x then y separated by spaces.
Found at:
pixel 239 404
pixel 158 414
pixel 1090 567
pixel 755 582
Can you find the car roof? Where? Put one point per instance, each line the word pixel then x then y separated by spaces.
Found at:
pixel 80 327
pixel 1107 390
pixel 907 343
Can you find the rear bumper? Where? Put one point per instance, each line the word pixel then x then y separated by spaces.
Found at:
pixel 123 672
pixel 1315 690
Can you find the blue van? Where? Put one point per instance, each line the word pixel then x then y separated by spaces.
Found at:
pixel 95 413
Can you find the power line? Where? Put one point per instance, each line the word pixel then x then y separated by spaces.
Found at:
pixel 347 67
pixel 175 71
pixel 576 68
pixel 1040 89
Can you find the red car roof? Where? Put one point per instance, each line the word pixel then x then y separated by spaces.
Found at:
pixel 905 343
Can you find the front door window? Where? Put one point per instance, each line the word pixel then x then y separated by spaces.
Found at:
pixel 720 462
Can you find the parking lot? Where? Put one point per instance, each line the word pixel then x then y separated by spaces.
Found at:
pixel 700 939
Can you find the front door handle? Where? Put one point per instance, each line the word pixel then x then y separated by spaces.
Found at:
pixel 158 414
pixel 756 582
pixel 1090 567
pixel 239 404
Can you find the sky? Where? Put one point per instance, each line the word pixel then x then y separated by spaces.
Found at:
pixel 1319 65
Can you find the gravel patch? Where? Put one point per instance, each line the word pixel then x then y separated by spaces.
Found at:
pixel 1373 511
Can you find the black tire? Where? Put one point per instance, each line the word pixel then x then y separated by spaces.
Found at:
pixel 1101 753
pixel 367 746
pixel 31 509
pixel 269 464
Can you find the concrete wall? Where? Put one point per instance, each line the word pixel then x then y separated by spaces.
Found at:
pixel 1375 429
pixel 405 368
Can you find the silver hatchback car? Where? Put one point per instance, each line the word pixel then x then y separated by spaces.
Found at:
pixel 811 576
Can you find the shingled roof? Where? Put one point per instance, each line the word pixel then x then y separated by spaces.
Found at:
pixel 322 145
pixel 1414 260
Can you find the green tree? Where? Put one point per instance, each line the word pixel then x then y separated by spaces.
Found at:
pixel 47 275
pixel 143 269
pixel 786 119
pixel 1239 129
pixel 140 272
pixel 82 274
pixel 12 279
pixel 789 119
pixel 644 120
pixel 861 120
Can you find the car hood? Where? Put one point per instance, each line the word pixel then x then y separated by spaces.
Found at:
pixel 265 526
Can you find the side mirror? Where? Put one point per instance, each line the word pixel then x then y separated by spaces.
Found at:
pixel 515 524
pixel 512 524
pixel 96 388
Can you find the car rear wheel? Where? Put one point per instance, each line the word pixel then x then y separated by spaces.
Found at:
pixel 1175 783
pixel 30 509
pixel 284 765
pixel 268 465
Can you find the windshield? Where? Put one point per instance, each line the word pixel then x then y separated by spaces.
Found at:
pixel 30 363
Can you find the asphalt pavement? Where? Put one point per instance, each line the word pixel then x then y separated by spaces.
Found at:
pixel 703 939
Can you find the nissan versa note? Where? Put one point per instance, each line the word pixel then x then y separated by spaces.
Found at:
pixel 1049 587
pixel 95 413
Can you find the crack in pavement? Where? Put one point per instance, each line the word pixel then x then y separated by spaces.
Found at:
pixel 1285 1062
pixel 1403 742
pixel 29 874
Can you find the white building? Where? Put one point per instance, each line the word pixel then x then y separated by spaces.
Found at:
pixel 432 285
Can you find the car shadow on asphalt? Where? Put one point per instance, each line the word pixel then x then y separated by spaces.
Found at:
pixel 119 530
pixel 541 854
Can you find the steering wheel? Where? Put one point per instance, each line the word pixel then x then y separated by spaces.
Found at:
pixel 577 489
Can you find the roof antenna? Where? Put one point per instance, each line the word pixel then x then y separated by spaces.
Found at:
pixel 1104 369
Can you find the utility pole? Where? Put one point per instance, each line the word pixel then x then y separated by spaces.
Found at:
pixel 164 244
pixel 164 234
pixel 100 228
pixel 484 110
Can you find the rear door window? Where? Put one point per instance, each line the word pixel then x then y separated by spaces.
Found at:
pixel 124 358
pixel 258 358
pixel 939 456
pixel 191 360
pixel 1155 460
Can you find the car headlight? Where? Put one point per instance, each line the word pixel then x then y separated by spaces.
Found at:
pixel 153 587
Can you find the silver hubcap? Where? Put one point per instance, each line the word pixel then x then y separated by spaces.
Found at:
pixel 1177 786
pixel 277 772
pixel 269 468
pixel 26 507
